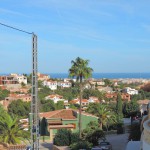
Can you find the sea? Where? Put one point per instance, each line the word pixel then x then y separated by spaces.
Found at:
pixel 100 75
pixel 106 75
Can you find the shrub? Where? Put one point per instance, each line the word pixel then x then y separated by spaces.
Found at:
pixel 63 137
pixel 74 137
pixel 135 133
pixel 120 129
pixel 81 145
pixel 95 136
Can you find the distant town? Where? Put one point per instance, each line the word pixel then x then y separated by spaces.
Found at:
pixel 59 103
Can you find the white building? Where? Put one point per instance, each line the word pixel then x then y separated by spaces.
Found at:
pixel 56 98
pixel 93 99
pixel 130 91
pixel 20 78
pixel 65 84
pixel 50 84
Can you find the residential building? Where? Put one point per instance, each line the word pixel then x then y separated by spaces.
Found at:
pixel 64 84
pixel 143 105
pixel 23 97
pixel 13 97
pixel 56 98
pixel 130 91
pixel 65 118
pixel 124 96
pixel 84 102
pixel 93 99
pixel 43 77
pixel 8 80
pixel 50 84
pixel 20 78
pixel 106 89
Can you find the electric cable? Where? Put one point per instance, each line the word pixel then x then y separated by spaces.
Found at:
pixel 15 28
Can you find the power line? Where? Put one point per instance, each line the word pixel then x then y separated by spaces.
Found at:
pixel 15 28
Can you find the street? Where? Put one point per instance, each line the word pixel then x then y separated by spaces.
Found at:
pixel 118 142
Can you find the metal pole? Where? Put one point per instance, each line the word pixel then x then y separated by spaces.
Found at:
pixel 34 103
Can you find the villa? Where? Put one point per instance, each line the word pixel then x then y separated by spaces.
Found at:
pixel 65 118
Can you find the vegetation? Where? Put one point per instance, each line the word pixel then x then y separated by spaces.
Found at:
pixel 135 133
pixel 81 145
pixel 92 92
pixel 47 105
pixel 119 108
pixel 103 112
pixel 80 70
pixel 11 129
pixel 19 108
pixel 65 137
pixel 3 94
pixel 131 109
pixel 93 133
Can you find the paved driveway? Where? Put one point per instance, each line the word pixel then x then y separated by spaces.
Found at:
pixel 118 142
pixel 46 146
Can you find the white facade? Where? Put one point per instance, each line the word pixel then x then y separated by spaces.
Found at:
pixel 65 84
pixel 130 91
pixel 56 98
pixel 20 78
pixel 93 99
pixel 50 84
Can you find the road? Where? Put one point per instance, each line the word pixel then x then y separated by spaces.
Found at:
pixel 46 146
pixel 118 142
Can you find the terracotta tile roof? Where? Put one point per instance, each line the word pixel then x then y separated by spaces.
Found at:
pixel 146 101
pixel 53 96
pixel 64 114
pixel 75 101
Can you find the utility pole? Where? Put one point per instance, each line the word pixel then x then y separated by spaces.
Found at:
pixel 34 126
pixel 35 135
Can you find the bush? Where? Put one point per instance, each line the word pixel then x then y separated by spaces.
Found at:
pixel 94 136
pixel 120 129
pixel 74 137
pixel 63 137
pixel 135 133
pixel 81 145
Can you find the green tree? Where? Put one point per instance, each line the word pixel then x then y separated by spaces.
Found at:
pixel 60 105
pixel 119 108
pixel 47 105
pixel 80 70
pixel 12 130
pixel 131 109
pixel 107 82
pixel 104 114
pixel 19 108
pixel 92 133
pixel 43 128
pixel 3 94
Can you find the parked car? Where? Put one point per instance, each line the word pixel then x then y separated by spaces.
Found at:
pixel 105 145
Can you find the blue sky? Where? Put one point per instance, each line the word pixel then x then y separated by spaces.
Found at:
pixel 113 34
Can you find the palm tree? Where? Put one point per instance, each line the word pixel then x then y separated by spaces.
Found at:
pixel 80 70
pixel 105 116
pixel 11 130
